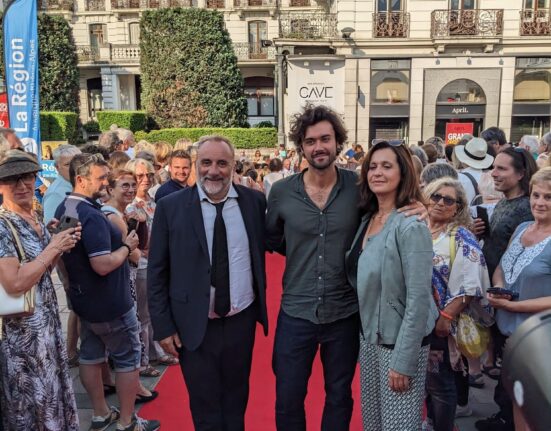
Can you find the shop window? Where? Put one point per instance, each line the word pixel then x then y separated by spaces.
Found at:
pixel 462 91
pixel 390 86
pixel 532 86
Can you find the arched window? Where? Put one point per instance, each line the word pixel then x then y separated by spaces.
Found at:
pixel 532 86
pixel 390 86
pixel 462 91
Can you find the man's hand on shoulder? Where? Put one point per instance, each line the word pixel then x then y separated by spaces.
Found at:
pixel 170 344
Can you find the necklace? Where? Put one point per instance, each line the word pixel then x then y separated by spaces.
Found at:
pixel 438 230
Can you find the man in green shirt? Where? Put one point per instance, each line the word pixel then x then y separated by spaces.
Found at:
pixel 312 219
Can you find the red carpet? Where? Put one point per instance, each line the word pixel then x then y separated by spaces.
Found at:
pixel 172 405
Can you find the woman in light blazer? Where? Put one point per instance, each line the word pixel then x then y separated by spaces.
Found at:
pixel 390 264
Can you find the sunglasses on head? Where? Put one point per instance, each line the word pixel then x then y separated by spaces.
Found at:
pixel 437 197
pixel 392 142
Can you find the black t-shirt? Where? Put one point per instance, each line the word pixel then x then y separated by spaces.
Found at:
pixel 507 215
pixel 167 188
pixel 95 298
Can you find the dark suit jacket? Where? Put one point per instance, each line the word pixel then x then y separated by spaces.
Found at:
pixel 178 274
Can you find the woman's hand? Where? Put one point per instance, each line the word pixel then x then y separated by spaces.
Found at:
pixel 443 327
pixel 479 227
pixel 501 301
pixel 398 382
pixel 415 208
pixel 52 225
pixel 141 216
pixel 66 240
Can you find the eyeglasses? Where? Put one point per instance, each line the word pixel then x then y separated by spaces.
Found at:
pixel 29 178
pixel 437 197
pixel 128 186
pixel 149 176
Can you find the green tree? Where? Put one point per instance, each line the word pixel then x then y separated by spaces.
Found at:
pixel 57 62
pixel 189 70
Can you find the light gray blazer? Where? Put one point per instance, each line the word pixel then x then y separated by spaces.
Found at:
pixel 394 286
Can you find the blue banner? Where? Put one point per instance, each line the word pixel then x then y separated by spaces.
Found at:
pixel 21 68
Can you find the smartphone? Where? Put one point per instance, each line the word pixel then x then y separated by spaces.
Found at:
pixel 501 291
pixel 482 214
pixel 65 223
pixel 132 224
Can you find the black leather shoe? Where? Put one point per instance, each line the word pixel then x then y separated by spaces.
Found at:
pixel 494 423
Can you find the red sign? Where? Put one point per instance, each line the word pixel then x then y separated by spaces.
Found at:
pixel 455 131
pixel 4 119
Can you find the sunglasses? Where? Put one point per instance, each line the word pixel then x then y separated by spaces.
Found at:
pixel 437 197
pixel 392 142
pixel 29 178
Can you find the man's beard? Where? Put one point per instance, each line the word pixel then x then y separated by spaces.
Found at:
pixel 213 187
pixel 321 165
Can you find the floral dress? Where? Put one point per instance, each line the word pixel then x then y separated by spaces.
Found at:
pixel 36 389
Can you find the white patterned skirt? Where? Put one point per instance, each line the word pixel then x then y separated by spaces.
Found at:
pixel 382 408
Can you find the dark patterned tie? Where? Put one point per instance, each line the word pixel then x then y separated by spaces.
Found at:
pixel 220 269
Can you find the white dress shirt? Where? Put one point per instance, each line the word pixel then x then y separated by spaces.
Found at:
pixel 241 275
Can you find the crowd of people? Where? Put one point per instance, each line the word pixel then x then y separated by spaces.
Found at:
pixel 161 252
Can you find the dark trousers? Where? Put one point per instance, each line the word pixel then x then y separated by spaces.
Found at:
pixel 501 397
pixel 295 347
pixel 441 385
pixel 217 373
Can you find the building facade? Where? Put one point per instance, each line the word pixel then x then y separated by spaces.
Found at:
pixel 392 68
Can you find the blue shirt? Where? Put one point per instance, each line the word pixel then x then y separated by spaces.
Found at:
pixel 95 298
pixel 167 188
pixel 55 194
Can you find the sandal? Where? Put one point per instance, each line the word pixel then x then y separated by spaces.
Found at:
pixel 150 372
pixel 140 399
pixel 492 372
pixel 168 360
pixel 476 380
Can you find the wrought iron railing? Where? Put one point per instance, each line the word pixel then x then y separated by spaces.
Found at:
pixel 254 3
pixel 391 24
pixel 534 22
pixel 299 3
pixel 95 5
pixel 467 22
pixel 307 25
pixel 253 51
pixel 87 53
pixel 56 5
pixel 216 4
pixel 125 53
pixel 149 4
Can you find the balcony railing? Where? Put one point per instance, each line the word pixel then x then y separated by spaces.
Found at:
pixel 391 24
pixel 216 4
pixel 307 25
pixel 252 51
pixel 149 4
pixel 87 54
pixel 56 5
pixel 254 3
pixel 467 22
pixel 95 5
pixel 534 22
pixel 299 3
pixel 109 53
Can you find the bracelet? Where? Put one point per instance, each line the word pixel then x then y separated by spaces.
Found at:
pixel 128 247
pixel 446 315
pixel 39 259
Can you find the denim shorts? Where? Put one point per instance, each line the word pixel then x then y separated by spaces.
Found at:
pixel 120 337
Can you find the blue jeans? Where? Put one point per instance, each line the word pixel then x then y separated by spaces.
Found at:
pixel 441 387
pixel 295 347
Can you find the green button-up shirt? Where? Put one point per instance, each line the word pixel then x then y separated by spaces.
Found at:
pixel 315 242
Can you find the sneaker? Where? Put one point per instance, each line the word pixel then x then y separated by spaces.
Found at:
pixel 476 380
pixel 102 423
pixel 463 411
pixel 139 424
pixel 494 423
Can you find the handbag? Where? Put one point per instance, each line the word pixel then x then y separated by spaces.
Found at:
pixel 17 305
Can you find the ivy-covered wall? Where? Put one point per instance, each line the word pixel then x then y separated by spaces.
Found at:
pixel 189 70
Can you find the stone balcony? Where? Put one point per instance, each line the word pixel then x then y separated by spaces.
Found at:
pixel 535 22
pixel 56 5
pixel 245 51
pixel 466 23
pixel 108 53
pixel 254 3
pixel 390 24
pixel 308 25
pixel 94 5
pixel 149 4
pixel 215 4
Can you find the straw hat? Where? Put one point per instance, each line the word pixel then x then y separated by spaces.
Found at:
pixel 16 162
pixel 474 154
